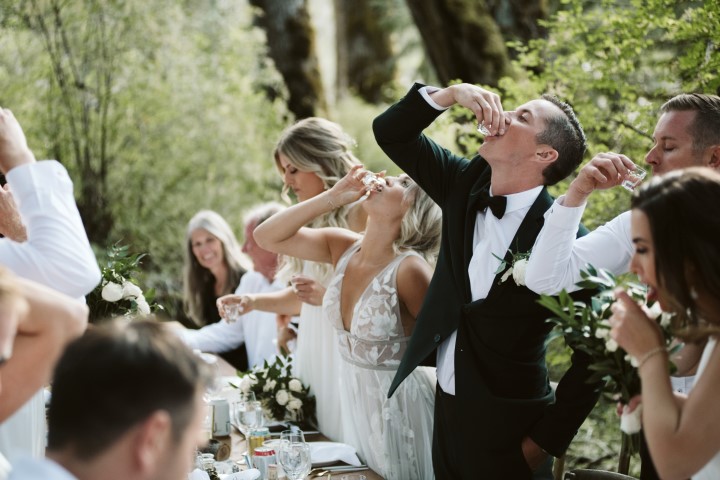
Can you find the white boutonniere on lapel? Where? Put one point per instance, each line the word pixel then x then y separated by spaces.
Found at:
pixel 516 267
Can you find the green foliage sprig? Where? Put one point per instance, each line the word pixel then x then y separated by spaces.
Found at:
pixel 586 327
pixel 118 293
pixel 283 396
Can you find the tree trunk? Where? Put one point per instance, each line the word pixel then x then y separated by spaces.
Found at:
pixel 85 96
pixel 518 19
pixel 291 41
pixel 462 39
pixel 365 60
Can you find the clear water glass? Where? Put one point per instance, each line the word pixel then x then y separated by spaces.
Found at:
pixel 247 412
pixel 294 455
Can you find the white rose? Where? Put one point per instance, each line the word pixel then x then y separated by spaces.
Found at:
pixel 112 292
pixel 603 333
pixel 611 345
pixel 269 385
pixel 282 397
pixel 295 385
pixel 631 422
pixel 142 305
pixel 518 271
pixel 655 311
pixel 632 360
pixel 294 404
pixel 130 290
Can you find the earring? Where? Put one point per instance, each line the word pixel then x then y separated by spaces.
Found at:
pixel 693 293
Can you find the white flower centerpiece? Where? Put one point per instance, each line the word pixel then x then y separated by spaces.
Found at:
pixel 118 293
pixel 283 396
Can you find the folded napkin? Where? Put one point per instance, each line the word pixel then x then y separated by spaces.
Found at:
pixel 251 474
pixel 329 452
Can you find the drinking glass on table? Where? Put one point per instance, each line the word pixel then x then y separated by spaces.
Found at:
pixel 293 454
pixel 247 412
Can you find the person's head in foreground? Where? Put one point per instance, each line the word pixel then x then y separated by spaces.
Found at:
pixel 675 231
pixel 127 404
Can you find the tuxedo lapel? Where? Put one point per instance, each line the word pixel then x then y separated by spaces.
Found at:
pixel 531 224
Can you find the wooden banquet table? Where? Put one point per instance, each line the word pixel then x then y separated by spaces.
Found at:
pixel 238 444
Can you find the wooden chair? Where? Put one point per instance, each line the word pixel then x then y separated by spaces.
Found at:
pixel 587 474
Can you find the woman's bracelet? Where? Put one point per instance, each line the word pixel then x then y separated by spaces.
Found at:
pixel 330 202
pixel 649 354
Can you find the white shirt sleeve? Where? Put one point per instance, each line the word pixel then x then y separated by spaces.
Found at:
pixel 57 252
pixel 215 338
pixel 558 256
pixel 425 93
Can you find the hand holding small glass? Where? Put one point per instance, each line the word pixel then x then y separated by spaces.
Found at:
pixel 231 306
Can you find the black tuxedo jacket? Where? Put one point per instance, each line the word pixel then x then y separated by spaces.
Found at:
pixel 501 381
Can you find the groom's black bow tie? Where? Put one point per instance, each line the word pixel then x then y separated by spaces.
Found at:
pixel 497 204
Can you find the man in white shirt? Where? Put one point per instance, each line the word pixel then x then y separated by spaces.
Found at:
pixel 127 404
pixel 495 413
pixel 687 134
pixel 56 253
pixel 257 329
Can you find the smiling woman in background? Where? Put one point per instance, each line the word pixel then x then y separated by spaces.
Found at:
pixel 214 265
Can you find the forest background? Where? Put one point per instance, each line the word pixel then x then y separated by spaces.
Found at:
pixel 160 108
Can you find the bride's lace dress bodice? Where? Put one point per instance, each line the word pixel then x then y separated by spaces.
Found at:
pixel 376 339
pixel 392 435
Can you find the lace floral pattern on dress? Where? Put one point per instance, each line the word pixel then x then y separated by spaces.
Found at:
pixel 376 337
pixel 393 435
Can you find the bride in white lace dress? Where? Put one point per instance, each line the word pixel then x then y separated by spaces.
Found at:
pixel 379 284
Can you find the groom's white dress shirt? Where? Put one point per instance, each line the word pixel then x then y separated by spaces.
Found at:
pixel 558 256
pixel 57 254
pixel 258 330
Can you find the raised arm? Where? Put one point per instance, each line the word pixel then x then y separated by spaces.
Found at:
pixel 285 233
pixel 57 252
pixel 282 302
pixel 558 255
pixel 46 322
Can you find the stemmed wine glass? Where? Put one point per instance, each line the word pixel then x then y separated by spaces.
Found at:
pixel 293 454
pixel 247 412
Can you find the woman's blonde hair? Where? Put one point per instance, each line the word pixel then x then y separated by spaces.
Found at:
pixel 198 281
pixel 421 226
pixel 318 146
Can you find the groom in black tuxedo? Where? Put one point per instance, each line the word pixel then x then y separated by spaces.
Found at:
pixel 495 413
